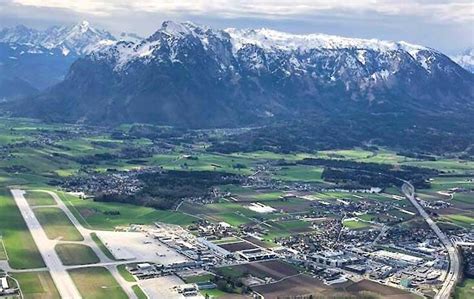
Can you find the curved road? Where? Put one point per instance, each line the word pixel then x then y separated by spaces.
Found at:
pixel 454 261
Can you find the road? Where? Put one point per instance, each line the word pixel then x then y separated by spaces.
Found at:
pixel 454 261
pixel 64 283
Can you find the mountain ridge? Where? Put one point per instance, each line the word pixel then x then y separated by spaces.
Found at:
pixel 194 76
pixel 33 60
pixel 77 39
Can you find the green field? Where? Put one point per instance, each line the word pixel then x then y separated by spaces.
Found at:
pixel 76 254
pixel 466 198
pixel 38 198
pixel 465 290
pixel 461 220
pixel 96 283
pixel 3 253
pixel 57 225
pixel 125 274
pixel 139 292
pixel 37 285
pixel 198 278
pixel 445 183
pixel 286 228
pixel 354 224
pixel 231 218
pixel 93 214
pixel 300 173
pixel 204 161
pixel 267 196
pixel 19 244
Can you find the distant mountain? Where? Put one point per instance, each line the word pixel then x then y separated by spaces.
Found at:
pixel 41 58
pixel 78 39
pixel 14 88
pixel 466 59
pixel 195 76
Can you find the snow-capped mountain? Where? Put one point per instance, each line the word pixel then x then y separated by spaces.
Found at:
pixel 191 75
pixel 130 37
pixel 33 59
pixel 78 39
pixel 465 59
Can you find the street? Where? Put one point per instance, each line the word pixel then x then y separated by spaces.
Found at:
pixel 454 262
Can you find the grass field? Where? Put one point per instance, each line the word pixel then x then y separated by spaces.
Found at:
pixel 19 244
pixel 38 198
pixel 461 220
pixel 139 292
pixel 96 283
pixel 467 198
pixel 3 253
pixel 57 225
pixel 204 161
pixel 102 246
pixel 465 290
pixel 125 274
pixel 267 196
pixel 233 219
pixel 37 285
pixel 198 278
pixel 354 224
pixel 445 183
pixel 286 228
pixel 93 214
pixel 76 254
pixel 300 173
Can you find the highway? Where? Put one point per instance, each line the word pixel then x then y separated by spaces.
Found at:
pixel 454 261
pixel 61 278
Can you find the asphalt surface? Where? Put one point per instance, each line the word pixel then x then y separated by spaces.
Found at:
pixel 454 261
pixel 86 233
pixel 58 271
pixel 61 278
pixel 111 265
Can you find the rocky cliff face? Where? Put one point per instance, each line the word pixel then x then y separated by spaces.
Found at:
pixel 195 76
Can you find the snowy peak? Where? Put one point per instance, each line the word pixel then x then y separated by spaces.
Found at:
pixel 176 29
pixel 190 75
pixel 260 49
pixel 465 59
pixel 271 40
pixel 275 40
pixel 79 39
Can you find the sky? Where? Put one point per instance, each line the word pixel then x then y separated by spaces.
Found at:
pixel 444 25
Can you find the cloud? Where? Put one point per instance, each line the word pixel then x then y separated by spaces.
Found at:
pixel 435 10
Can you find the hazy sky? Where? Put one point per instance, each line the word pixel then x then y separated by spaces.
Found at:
pixel 444 25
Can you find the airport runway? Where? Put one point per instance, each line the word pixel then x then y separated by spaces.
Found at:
pixel 104 260
pixel 61 278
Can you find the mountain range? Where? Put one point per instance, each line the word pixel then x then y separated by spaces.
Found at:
pixel 198 77
pixel 32 60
